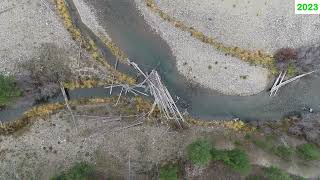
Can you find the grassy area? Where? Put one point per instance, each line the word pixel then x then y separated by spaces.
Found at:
pixel 236 159
pixel 268 145
pixel 8 89
pixel 80 171
pixel 291 71
pixel 201 152
pixel 274 173
pixel 308 152
pixel 284 152
pixel 169 172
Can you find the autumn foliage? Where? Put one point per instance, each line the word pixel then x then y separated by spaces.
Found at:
pixel 286 54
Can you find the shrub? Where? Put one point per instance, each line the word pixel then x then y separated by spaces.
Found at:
pixel 169 172
pixel 8 89
pixel 199 152
pixel 50 67
pixel 286 54
pixel 247 136
pixel 274 173
pixel 291 70
pixel 219 155
pixel 238 160
pixel 284 152
pixel 81 171
pixel 308 152
pixel 47 70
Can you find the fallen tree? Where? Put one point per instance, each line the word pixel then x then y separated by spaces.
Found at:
pixel 153 85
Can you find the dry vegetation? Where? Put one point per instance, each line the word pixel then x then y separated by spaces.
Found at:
pixel 42 111
pixel 286 54
pixel 47 70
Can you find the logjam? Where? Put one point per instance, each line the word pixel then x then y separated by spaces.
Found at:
pixel 162 98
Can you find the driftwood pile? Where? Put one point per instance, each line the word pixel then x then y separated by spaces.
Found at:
pixel 280 83
pixel 153 85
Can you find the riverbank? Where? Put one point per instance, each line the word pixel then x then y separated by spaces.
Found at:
pixel 89 18
pixel 253 25
pixel 200 63
pixel 26 28
pixel 26 25
pixel 109 137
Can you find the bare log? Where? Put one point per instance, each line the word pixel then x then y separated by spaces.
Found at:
pixel 119 96
pixel 293 79
pixel 129 173
pixel 67 104
pixel 115 67
pixel 132 125
pixel 162 97
pixel 277 80
pixel 283 76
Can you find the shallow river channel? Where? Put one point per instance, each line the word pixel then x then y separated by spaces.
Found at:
pixel 127 28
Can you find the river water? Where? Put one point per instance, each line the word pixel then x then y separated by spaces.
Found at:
pixel 128 29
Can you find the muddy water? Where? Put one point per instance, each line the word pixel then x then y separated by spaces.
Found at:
pixel 128 29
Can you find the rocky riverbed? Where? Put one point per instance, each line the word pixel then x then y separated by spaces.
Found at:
pixel 265 25
pixel 202 64
pixel 25 25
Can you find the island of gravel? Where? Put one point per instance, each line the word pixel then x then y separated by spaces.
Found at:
pixel 202 64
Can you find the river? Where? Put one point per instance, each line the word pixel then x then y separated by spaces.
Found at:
pixel 128 29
